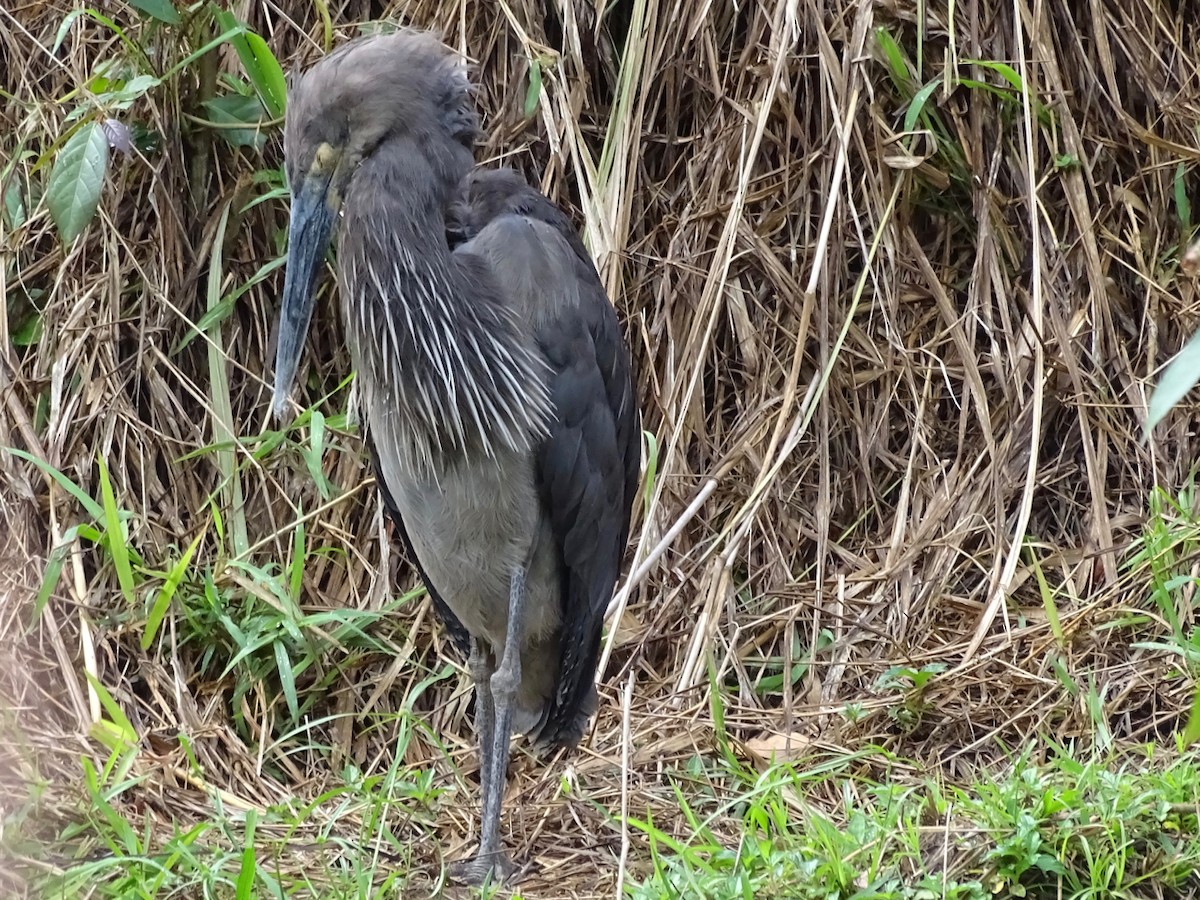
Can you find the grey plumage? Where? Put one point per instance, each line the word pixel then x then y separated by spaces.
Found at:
pixel 495 385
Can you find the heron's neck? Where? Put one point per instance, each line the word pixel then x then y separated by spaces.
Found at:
pixel 444 368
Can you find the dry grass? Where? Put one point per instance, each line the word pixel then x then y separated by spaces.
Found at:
pixel 908 371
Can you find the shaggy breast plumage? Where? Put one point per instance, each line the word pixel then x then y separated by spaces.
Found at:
pixel 459 378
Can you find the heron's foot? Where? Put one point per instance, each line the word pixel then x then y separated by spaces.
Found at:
pixel 493 868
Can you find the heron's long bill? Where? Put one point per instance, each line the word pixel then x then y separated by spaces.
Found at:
pixel 314 209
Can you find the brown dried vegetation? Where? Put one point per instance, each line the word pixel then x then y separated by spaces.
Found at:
pixel 904 371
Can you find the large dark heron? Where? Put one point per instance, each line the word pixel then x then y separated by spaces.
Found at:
pixel 492 373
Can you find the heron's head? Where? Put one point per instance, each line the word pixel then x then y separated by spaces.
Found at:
pixel 375 98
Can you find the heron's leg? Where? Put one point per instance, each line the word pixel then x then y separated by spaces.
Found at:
pixel 485 709
pixel 491 863
pixel 505 681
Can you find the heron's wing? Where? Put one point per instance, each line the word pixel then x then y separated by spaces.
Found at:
pixel 458 633
pixel 587 468
pixel 587 473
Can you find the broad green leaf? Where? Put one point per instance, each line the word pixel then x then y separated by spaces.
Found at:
pixel 147 141
pixel 14 203
pixel 1179 377
pixel 28 332
pixel 266 75
pixel 77 179
pixel 163 10
pixel 129 91
pixel 99 83
pixel 262 68
pixel 235 109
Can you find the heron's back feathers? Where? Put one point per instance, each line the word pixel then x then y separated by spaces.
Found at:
pixel 587 467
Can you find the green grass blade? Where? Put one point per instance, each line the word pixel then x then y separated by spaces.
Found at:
pixel 1179 377
pixel 897 63
pixel 119 724
pixel 163 601
pixel 216 42
pixel 1047 599
pixel 54 567
pixel 127 841
pixel 1183 205
pixel 296 575
pixel 1005 71
pixel 534 92
pixel 917 106
pixel 222 424
pixel 64 29
pixel 1191 733
pixel 117 547
pixel 316 451
pixel 287 679
pixel 94 510
pixel 651 470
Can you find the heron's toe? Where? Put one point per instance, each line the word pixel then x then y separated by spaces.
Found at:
pixel 495 868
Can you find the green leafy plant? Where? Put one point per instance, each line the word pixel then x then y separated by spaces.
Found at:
pixel 911 683
pixel 81 163
pixel 73 192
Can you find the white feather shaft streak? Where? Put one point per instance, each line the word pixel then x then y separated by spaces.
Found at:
pixel 440 372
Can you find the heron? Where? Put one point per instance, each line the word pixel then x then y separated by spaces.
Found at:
pixel 494 383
